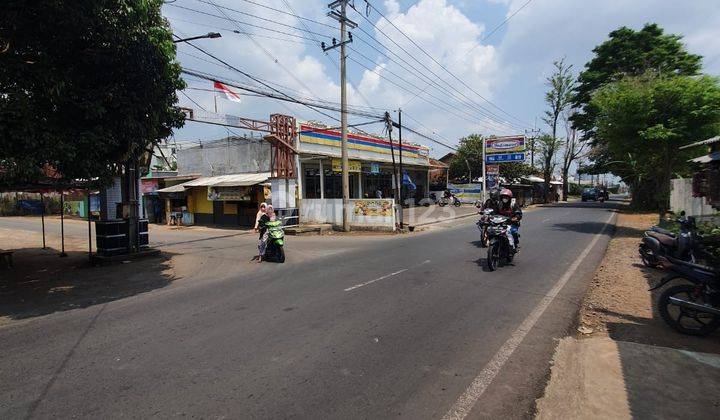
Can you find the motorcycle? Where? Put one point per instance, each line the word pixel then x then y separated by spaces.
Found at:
pixel 658 243
pixel 500 250
pixel 482 225
pixel 276 240
pixel 449 200
pixel 692 308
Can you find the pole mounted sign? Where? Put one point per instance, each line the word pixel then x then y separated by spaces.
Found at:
pixel 505 144
pixel 505 157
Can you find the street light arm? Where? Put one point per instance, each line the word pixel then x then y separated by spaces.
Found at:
pixel 207 35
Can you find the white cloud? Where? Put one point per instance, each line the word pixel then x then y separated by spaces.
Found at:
pixel 509 72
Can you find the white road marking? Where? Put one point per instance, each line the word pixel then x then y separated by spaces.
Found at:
pixel 550 218
pixel 467 400
pixel 357 286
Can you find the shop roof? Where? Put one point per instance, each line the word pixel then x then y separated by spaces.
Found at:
pixel 234 180
pixel 172 189
pixel 712 157
pixel 434 163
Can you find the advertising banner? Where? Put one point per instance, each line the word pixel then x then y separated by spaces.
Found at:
pixel 353 165
pixel 466 193
pixel 229 194
pixel 382 208
pixel 505 144
pixel 493 169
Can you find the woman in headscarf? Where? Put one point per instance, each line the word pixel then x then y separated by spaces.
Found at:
pixel 260 212
pixel 268 216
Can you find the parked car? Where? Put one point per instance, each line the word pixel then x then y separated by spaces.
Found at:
pixel 590 194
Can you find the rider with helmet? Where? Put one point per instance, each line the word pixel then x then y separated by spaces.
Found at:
pixel 511 210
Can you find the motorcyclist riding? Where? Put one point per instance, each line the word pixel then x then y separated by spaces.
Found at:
pixel 493 202
pixel 508 209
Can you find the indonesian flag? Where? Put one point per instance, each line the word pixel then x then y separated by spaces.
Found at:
pixel 226 92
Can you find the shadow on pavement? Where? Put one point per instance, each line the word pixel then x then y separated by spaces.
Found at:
pixel 42 283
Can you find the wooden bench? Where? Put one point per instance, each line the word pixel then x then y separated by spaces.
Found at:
pixel 6 258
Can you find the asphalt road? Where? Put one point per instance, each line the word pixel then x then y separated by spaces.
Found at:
pixel 410 326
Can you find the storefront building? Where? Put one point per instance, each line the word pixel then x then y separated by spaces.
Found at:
pixel 372 184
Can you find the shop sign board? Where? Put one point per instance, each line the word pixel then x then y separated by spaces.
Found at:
pixel 493 169
pixel 374 168
pixel 229 194
pixel 379 207
pixel 505 145
pixel 353 165
pixel 505 157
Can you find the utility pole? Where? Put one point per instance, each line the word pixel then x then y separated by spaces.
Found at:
pixel 484 172
pixel 533 136
pixel 345 38
pixel 389 124
pixel 402 174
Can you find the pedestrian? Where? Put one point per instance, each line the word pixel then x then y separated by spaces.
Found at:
pixel 260 212
pixel 378 193
pixel 268 216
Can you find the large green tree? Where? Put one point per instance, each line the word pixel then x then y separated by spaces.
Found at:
pixel 642 122
pixel 84 85
pixel 627 52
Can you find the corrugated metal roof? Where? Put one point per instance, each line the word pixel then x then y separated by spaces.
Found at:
pixel 711 140
pixel 172 189
pixel 234 180
pixel 712 157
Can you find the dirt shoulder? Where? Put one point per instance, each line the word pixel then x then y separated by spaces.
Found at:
pixel 618 304
pixel 624 361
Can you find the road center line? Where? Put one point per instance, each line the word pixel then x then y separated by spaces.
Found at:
pixel 357 286
pixel 467 400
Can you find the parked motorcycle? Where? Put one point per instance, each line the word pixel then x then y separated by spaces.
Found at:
pixel 500 250
pixel 693 307
pixel 659 243
pixel 276 240
pixel 482 225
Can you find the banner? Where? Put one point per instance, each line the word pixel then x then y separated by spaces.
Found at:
pixel 492 169
pixel 466 193
pixel 353 165
pixel 382 208
pixel 229 194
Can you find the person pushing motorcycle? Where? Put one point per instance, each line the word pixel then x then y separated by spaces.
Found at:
pixel 507 208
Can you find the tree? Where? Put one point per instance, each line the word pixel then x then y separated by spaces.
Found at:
pixel 642 122
pixel 573 149
pixel 629 53
pixel 467 163
pixel 514 171
pixel 558 98
pixel 84 86
pixel 547 147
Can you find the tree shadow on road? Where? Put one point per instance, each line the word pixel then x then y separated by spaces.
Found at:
pixel 593 228
pixel 42 283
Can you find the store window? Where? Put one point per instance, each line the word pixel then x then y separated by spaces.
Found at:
pixel 380 181
pixel 311 180
pixel 333 184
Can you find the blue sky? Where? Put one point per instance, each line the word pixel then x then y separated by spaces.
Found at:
pixel 506 69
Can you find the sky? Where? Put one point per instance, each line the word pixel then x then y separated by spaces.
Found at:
pixel 454 67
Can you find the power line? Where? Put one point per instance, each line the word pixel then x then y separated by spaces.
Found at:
pixel 488 35
pixel 490 113
pixel 410 68
pixel 274 10
pixel 439 64
pixel 490 120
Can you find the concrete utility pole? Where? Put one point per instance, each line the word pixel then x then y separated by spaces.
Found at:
pixel 341 16
pixel 402 174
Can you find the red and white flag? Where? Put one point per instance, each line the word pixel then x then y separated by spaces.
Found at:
pixel 226 92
